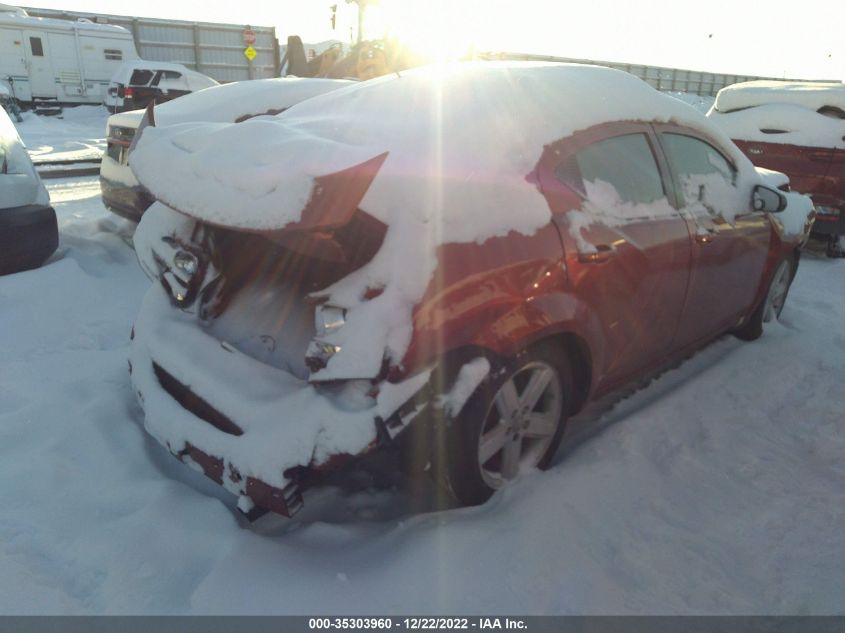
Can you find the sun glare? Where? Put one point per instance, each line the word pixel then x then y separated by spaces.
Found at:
pixel 438 29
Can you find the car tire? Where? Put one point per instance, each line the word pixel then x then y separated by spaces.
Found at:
pixel 834 247
pixel 513 421
pixel 771 306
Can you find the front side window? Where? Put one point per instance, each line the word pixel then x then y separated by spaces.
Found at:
pixel 36 47
pixel 706 178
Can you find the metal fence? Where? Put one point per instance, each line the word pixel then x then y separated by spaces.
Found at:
pixel 662 78
pixel 216 50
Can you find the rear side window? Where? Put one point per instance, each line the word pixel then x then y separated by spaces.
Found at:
pixel 140 77
pixel 705 175
pixel 625 162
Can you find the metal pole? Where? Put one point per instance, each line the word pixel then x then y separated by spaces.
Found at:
pixel 197 50
pixel 277 57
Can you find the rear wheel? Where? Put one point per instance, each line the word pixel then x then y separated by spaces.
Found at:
pixel 514 422
pixel 772 305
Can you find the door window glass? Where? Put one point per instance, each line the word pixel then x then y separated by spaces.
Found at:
pixel 36 47
pixel 705 176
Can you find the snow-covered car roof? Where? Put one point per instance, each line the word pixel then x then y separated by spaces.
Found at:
pixel 19 18
pixel 783 123
pixel 460 137
pixel 124 72
pixel 806 114
pixel 813 95
pixel 229 102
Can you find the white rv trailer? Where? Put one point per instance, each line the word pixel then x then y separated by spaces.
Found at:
pixel 59 61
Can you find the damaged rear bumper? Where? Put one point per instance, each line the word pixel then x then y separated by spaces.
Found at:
pixel 286 501
pixel 252 428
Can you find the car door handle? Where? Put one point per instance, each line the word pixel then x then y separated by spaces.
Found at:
pixel 600 255
pixel 706 236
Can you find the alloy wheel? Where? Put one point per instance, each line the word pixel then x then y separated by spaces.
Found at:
pixel 777 293
pixel 520 424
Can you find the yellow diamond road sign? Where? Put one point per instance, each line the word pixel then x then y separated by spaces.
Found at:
pixel 250 53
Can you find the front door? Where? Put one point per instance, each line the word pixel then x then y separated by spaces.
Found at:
pixel 730 241
pixel 41 78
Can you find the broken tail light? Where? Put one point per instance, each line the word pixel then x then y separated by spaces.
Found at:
pixel 327 320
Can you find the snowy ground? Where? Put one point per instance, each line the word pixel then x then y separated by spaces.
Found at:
pixel 718 489
pixel 78 134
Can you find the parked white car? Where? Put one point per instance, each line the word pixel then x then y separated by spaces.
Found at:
pixel 137 83
pixel 28 230
pixel 230 103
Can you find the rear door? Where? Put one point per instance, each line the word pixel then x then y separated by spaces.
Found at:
pixel 627 247
pixel 41 78
pixel 730 241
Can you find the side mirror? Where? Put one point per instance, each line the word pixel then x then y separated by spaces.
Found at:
pixel 767 199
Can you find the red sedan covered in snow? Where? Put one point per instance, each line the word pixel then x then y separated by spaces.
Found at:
pixel 452 261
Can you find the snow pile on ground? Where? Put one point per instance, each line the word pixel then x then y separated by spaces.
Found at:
pixel 459 142
pixel 720 488
pixel 78 134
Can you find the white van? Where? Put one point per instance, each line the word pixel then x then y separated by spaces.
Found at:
pixel 28 230
pixel 59 61
pixel 137 83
